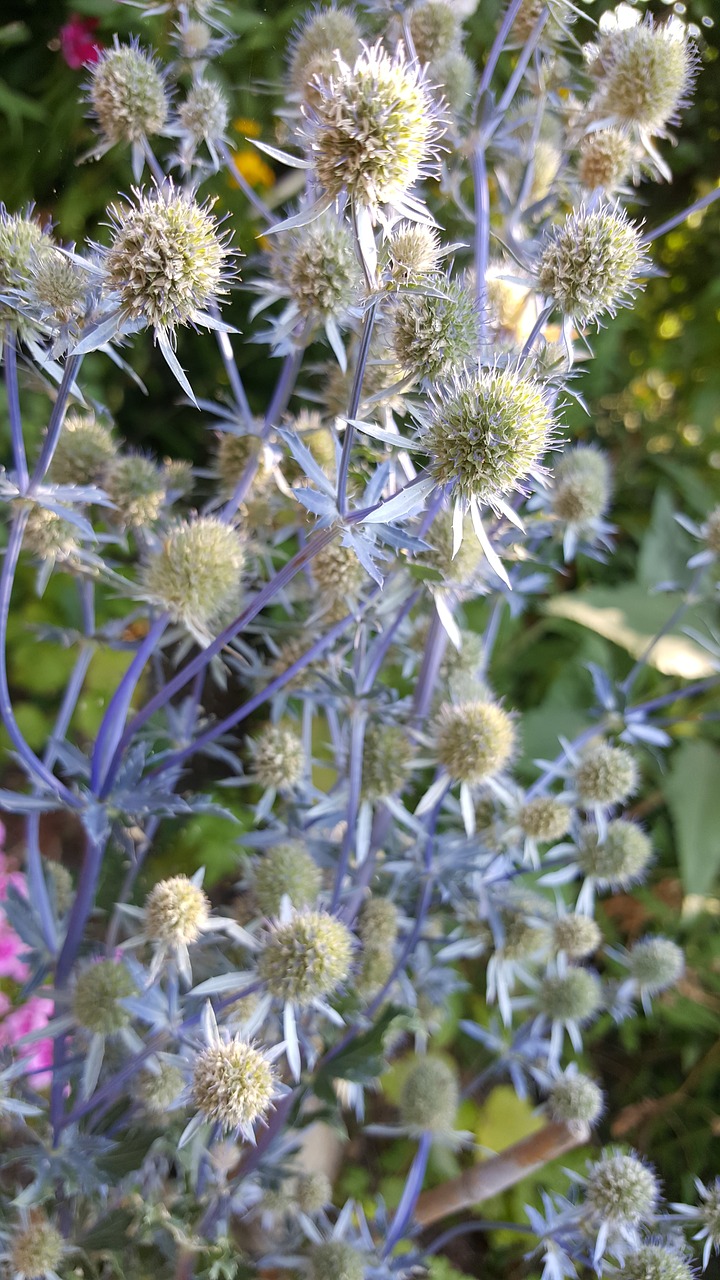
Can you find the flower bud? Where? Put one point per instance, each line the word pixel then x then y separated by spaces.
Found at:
pixel 175 912
pixel 305 958
pixel 84 451
pixel 581 485
pixel 644 71
pixel 322 32
pixel 544 818
pixel 318 267
pixel 159 1089
pixel 606 775
pixel 605 159
pixel 432 336
pixel 286 869
pixel 279 757
pixel 574 1099
pixel 36 1251
pixel 474 740
pixel 435 29
pixel 387 755
pixel 574 996
pixel 413 251
pixel 455 76
pixel 233 1083
pixel 204 113
pixel 196 574
pixel 136 486
pixel 22 244
pixel 313 1191
pixel 58 284
pixel 127 94
pixel 378 922
pixel 591 263
pixel 336 1260
pixel 430 1096
pixel 48 536
pixel 656 1262
pixel 99 988
pixel 656 964
pixel 621 1190
pixel 577 935
pixel 619 859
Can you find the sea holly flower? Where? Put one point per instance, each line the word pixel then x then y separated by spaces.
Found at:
pixel 705 1215
pixel 592 263
pixel 35 1249
pixel 176 917
pixel 621 1196
pixel 128 99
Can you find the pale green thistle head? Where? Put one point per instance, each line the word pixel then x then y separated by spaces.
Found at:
pixel 605 159
pixel 435 335
pixel 336 1260
pixel 136 487
pixel 36 1250
pixel 84 451
pixel 205 112
pixel 321 34
pixel 318 268
pixel 644 70
pixel 48 536
pixel 619 859
pixel 573 996
pixel 430 1096
pixel 176 911
pixel 96 997
pixel 127 94
pixel 196 572
pixel 581 485
pixel 305 957
pixel 656 964
pixel 387 755
pixel 412 252
pixel 577 935
pixel 285 870
pixel 278 757
pixel 233 1083
pixel 435 29
pixel 544 818
pixel 606 775
pixel 23 244
pixel 592 263
pixel 574 1099
pixel 656 1262
pixel 474 740
pixel 621 1189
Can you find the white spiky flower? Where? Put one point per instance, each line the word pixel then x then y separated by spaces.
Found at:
pixel 592 263
pixel 644 70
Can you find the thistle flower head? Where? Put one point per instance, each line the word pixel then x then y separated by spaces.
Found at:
pixel 591 264
pixel 645 70
pixel 619 859
pixel 544 818
pixel 487 430
pixel 175 912
pixel 605 159
pixel 573 996
pixel 84 451
pixel 234 453
pixel 606 775
pixel 435 29
pixel 99 988
pixel 285 869
pixel 373 128
pixel 233 1084
pixel 195 38
pixel 159 1089
pixel 581 485
pixel 656 964
pixel 37 1250
pixel 574 1099
pixel 435 335
pixel 656 1262
pixel 413 251
pixel 455 76
pixel 23 243
pixel 320 35
pixel 378 921
pixel 386 756
pixel 48 536
pixel 430 1096
pixel 137 488
pixel 167 261
pixel 708 1214
pixel 459 568
pixel 337 571
pixel 577 935
pixel 621 1189
pixel 474 740
pixel 318 267
pixel 196 573
pixel 336 1260
pixel 127 94
pixel 278 757
pixel 305 957
pixel 313 1191
pixel 205 113
pixel 58 284
pixel 377 928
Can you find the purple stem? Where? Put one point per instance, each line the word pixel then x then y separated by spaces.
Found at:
pixel 482 234
pixel 55 425
pixel 14 414
pixel 355 394
pixel 522 63
pixel 410 1195
pixel 433 656
pixel 678 218
pixel 357 743
pixel 113 722
pixel 81 908
pixel 498 45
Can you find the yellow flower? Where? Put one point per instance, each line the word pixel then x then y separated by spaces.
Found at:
pixel 253 168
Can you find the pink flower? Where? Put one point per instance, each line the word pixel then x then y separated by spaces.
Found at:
pixel 15 878
pixel 11 948
pixel 77 44
pixel 33 1015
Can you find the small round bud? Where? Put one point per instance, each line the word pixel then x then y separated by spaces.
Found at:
pixel 322 33
pixel 462 567
pixel 336 1260
pixel 58 284
pixel 195 38
pixel 574 996
pixel 590 264
pixel 378 921
pixel 605 159
pixel 432 336
pixel 62 887
pixel 373 128
pixel 521 938
pixel 474 740
pixel 656 1262
pixel 656 964
pixel 487 430
pixel 36 1250
pixel 544 818
pixel 127 94
pixel 574 1099
pixel 413 251
pixel 305 958
pixel 621 857
pixel 606 775
pixel 159 1089
pixel 581 485
pixel 387 755
pixel 337 572
pixel 99 988
pixel 84 451
pixel 577 935
pixel 233 1083
pixel 196 573
pixel 318 267
pixel 48 536
pixel 455 75
pixel 430 1096
pixel 234 454
pixel 435 29
pixel 137 488
pixel 711 531
pixel 374 969
pixel 175 912
pixel 166 261
pixel 204 114
pixel 22 244
pixel 177 476
pixel 279 757
pixel 286 869
pixel 645 72
pixel 313 1191
pixel 621 1190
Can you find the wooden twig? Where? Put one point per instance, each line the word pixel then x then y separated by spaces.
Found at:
pixel 502 1171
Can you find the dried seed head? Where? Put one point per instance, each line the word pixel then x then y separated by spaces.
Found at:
pixel 286 869
pixel 84 451
pixel 592 263
pixel 318 267
pixel 196 573
pixel 413 251
pixel 306 957
pixel 621 1190
pixel 336 1260
pixel 167 261
pixel 619 860
pixel 233 1084
pixel 656 1262
pixel 577 935
pixel 487 431
pixel 313 1191
pixel 279 757
pixel 137 487
pixel 544 818
pixel 645 72
pixel 581 485
pixel 606 775
pixel 435 29
pixel 656 964
pixel 430 1096
pixel 373 128
pixel 433 336
pixel 127 94
pixel 605 159
pixel 575 1099
pixel 474 740
pixel 321 34
pixel 175 912
pixel 204 114
pixel 387 755
pixel 36 1250
pixel 99 988
pixel 574 996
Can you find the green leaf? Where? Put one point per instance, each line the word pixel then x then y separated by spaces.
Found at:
pixel 128 1155
pixel 666 547
pixel 693 797
pixel 364 1059
pixel 109 1233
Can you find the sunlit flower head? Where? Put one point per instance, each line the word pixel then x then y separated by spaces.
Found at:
pixel 605 159
pixel 127 94
pixel 436 333
pixel 305 957
pixel 196 573
pixel 84 450
pixel 592 263
pixel 645 69
pixel 36 1250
